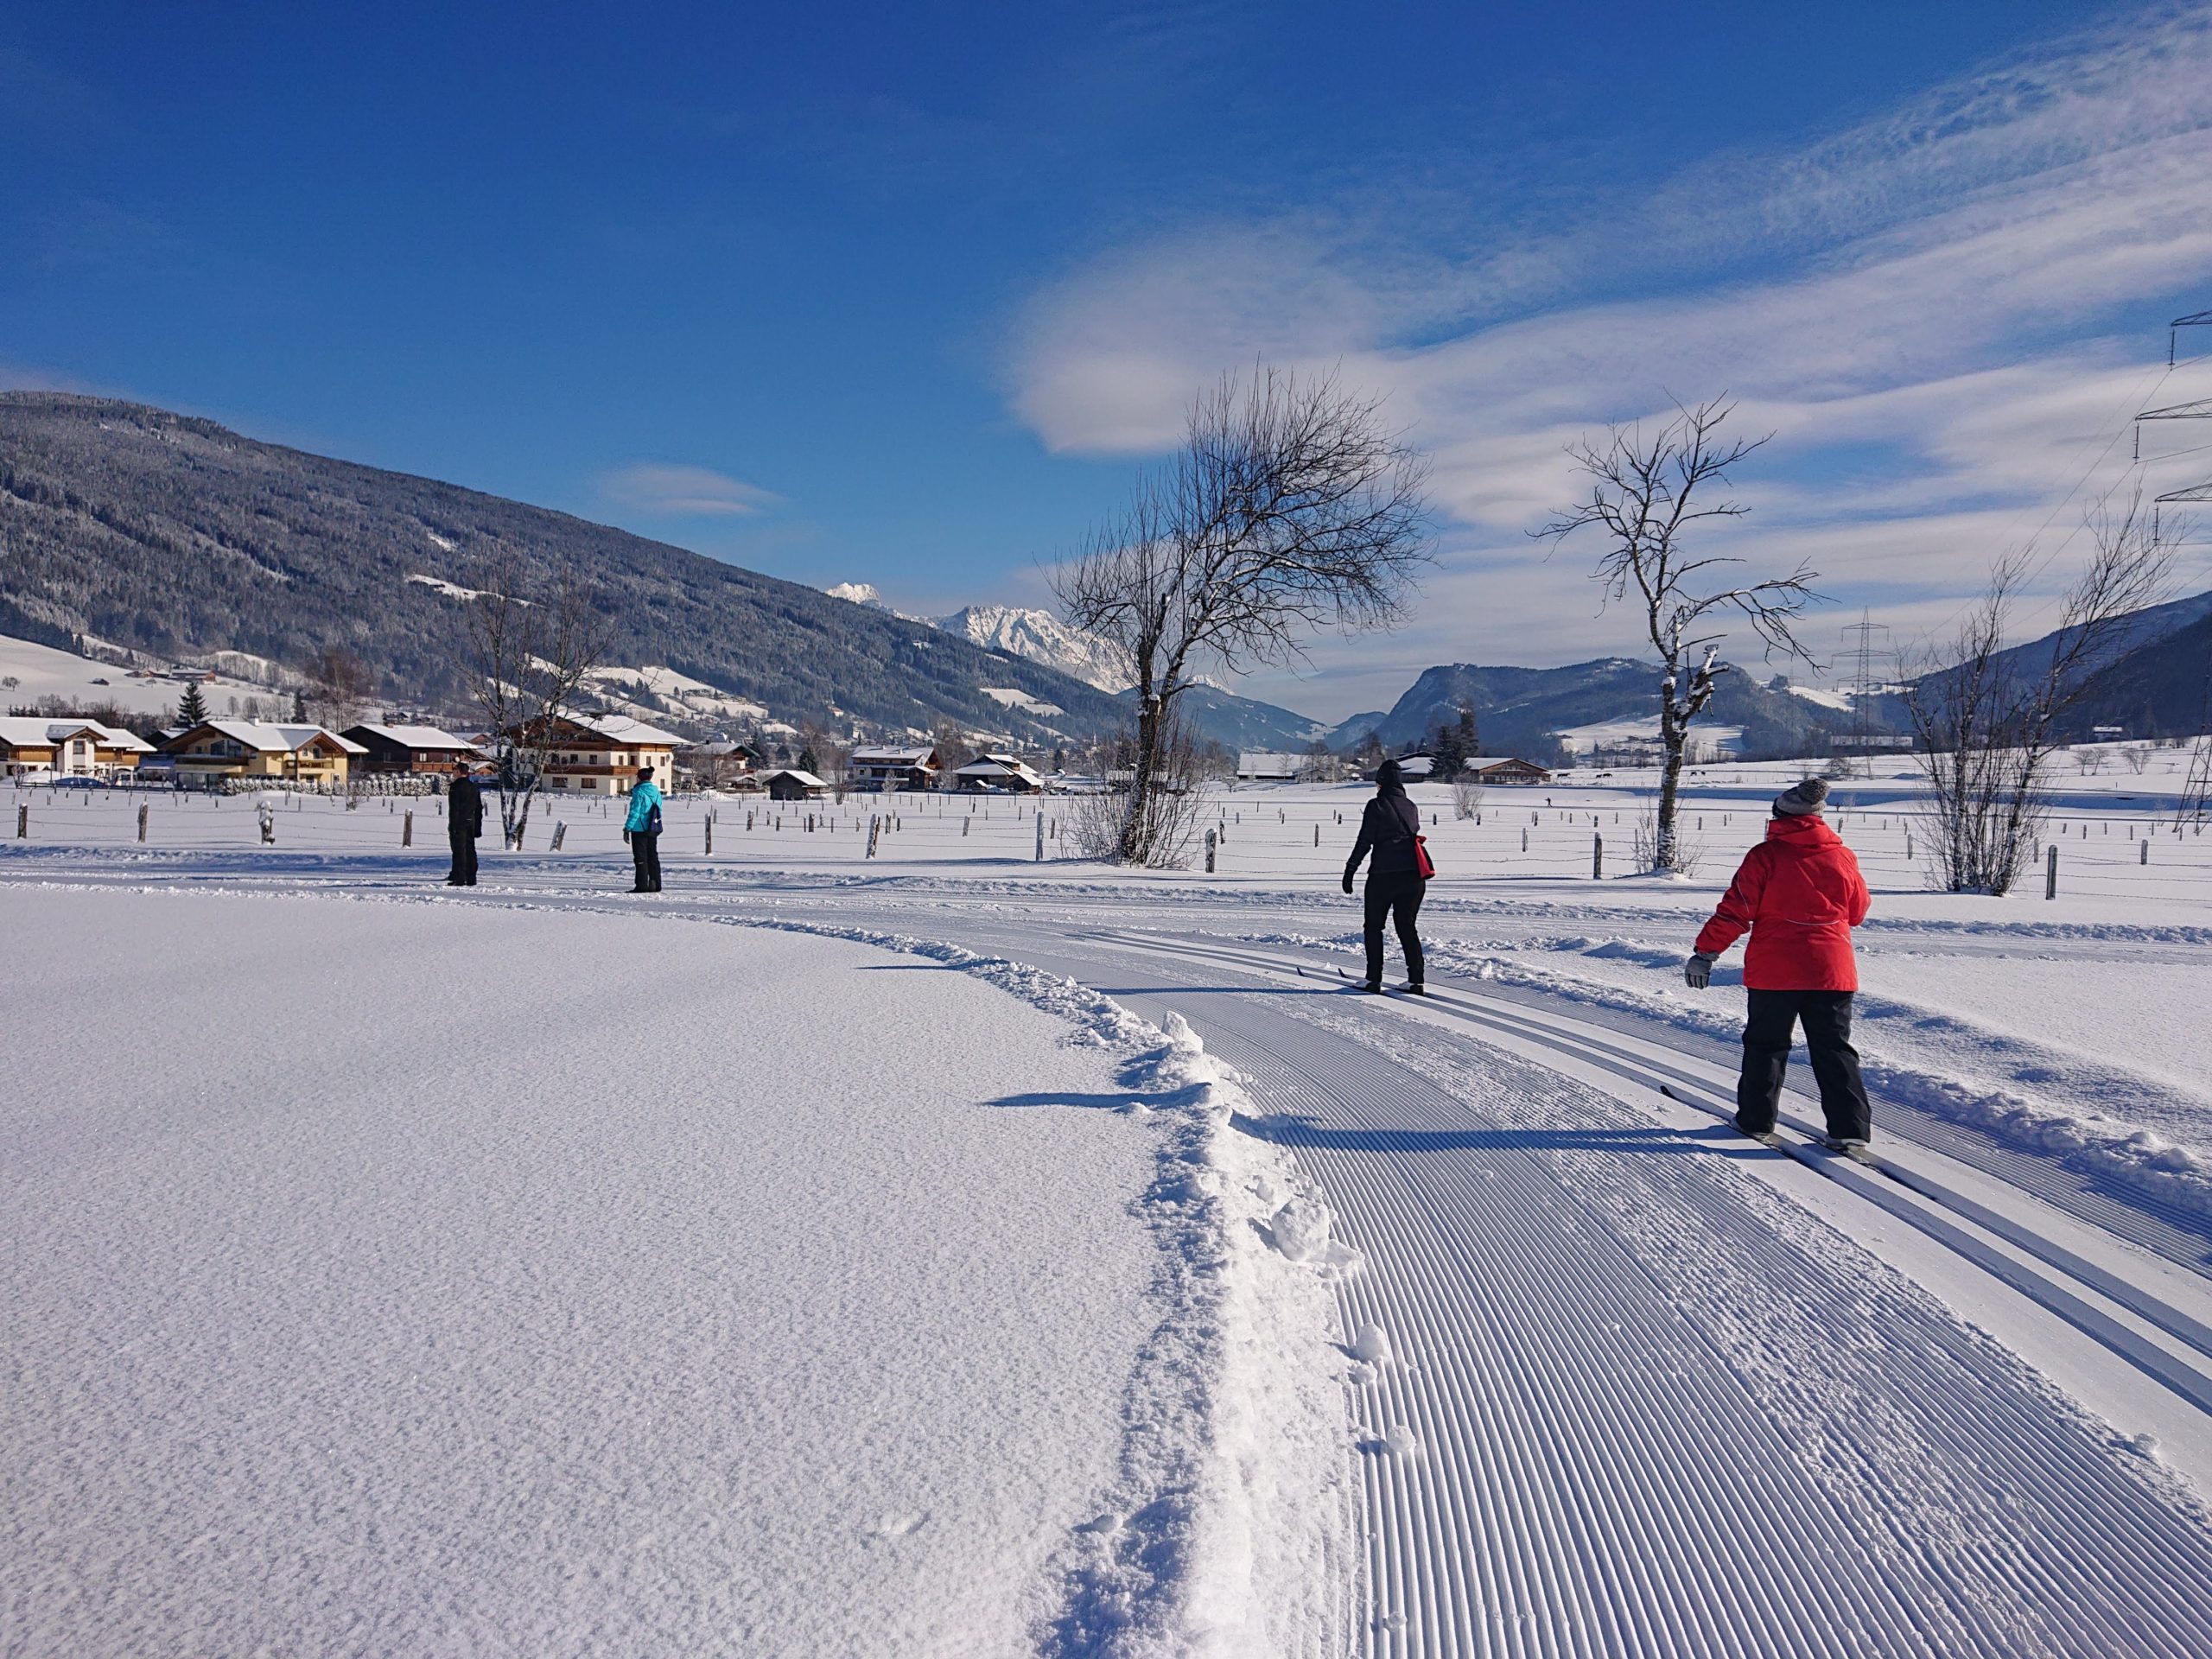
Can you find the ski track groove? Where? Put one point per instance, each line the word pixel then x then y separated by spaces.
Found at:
pixel 1538 1499
pixel 2144 1219
pixel 1778 1565
pixel 1933 1208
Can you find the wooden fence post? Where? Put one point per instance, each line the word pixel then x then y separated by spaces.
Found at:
pixel 142 820
pixel 406 830
pixel 2050 871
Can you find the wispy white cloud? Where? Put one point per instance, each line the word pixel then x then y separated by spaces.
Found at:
pixel 677 492
pixel 1923 309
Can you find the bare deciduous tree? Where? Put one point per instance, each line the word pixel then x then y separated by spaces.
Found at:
pixel 343 687
pixel 528 646
pixel 1466 796
pixel 1173 803
pixel 1290 507
pixel 953 750
pixel 1985 718
pixel 1646 492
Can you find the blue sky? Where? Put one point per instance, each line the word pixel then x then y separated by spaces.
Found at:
pixel 903 295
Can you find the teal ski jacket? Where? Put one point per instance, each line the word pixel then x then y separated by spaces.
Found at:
pixel 643 799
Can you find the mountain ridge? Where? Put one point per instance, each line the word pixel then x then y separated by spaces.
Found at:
pixel 175 536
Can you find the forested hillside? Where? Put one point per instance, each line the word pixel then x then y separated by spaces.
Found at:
pixel 175 536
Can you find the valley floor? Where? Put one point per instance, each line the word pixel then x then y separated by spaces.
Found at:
pixel 947 1254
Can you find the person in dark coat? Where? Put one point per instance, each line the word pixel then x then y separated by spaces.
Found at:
pixel 1798 894
pixel 464 825
pixel 1395 883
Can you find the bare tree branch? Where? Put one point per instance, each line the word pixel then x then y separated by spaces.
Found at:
pixel 1291 507
pixel 527 659
pixel 1646 490
pixel 1986 717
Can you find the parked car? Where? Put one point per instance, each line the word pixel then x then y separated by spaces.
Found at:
pixel 77 780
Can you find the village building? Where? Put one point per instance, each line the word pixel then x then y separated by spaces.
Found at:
pixel 35 746
pixel 1478 769
pixel 720 763
pixel 392 749
pixel 600 754
pixel 1505 769
pixel 1004 774
pixel 218 749
pixel 1269 767
pixel 881 766
pixel 1413 768
pixel 790 783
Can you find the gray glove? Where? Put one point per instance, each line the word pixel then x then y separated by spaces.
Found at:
pixel 1697 972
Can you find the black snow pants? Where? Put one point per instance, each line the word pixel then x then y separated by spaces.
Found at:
pixel 644 853
pixel 1397 896
pixel 464 862
pixel 1827 1017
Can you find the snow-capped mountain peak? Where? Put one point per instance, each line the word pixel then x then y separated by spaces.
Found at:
pixel 1033 635
pixel 1039 636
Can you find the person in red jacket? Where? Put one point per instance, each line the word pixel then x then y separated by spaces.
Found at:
pixel 1799 894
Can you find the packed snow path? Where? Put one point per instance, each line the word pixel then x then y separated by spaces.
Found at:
pixel 1649 1406
pixel 1621 1383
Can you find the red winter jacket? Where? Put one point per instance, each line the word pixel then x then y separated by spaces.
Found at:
pixel 1800 894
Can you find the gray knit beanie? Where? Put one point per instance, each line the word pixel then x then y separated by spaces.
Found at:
pixel 1799 799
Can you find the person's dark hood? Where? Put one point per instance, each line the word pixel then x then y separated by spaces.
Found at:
pixel 1390 777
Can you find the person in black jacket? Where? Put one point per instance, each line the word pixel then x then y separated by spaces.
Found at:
pixel 1395 883
pixel 464 823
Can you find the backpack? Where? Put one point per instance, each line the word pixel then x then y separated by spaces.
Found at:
pixel 1424 865
pixel 652 823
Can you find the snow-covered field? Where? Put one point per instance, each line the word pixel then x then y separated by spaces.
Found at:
pixel 844 1261
pixel 409 1278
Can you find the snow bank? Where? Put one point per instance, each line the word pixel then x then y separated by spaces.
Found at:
pixel 1226 1531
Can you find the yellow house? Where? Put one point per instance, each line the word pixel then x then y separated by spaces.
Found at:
pixel 254 749
pixel 600 754
pixel 36 746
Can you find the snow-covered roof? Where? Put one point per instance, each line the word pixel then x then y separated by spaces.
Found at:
pixel 999 765
pixel 620 729
pixel 415 737
pixel 267 737
pixel 806 779
pixel 876 754
pixel 19 731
